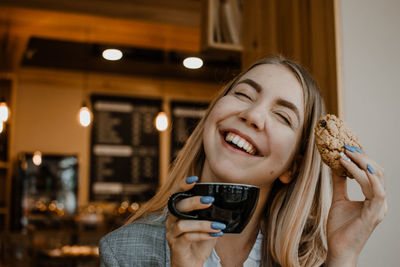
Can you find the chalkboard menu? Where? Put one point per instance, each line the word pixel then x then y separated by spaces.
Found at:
pixel 185 116
pixel 124 148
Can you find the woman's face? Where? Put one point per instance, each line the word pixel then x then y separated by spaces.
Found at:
pixel 252 133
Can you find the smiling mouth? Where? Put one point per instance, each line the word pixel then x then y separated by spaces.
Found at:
pixel 240 143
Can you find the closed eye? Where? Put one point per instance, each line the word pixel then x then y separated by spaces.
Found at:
pixel 242 95
pixel 284 119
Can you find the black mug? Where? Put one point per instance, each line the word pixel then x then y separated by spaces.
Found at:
pixel 234 204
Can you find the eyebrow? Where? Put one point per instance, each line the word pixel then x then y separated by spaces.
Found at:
pixel 252 83
pixel 280 101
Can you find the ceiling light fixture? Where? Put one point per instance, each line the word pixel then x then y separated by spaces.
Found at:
pixel 193 62
pixel 161 121
pixel 112 54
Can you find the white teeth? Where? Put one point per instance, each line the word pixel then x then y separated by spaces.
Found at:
pixel 229 137
pixel 240 142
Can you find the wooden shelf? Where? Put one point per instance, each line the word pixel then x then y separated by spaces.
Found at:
pixel 222 25
pixel 3 210
pixel 4 165
pixel 7 91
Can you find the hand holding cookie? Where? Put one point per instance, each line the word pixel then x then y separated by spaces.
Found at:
pixel 350 223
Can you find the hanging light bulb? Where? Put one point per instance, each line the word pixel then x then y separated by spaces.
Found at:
pixel 85 115
pixel 4 111
pixel 161 121
pixel 37 158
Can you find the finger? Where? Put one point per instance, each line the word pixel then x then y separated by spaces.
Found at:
pixel 378 206
pixel 195 237
pixel 196 226
pixel 194 203
pixel 363 160
pixel 377 187
pixel 359 175
pixel 339 187
pixel 188 183
pixel 377 170
pixel 185 184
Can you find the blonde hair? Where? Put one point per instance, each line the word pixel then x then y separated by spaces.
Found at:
pixel 296 214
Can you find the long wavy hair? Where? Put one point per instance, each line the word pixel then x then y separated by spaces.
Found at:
pixel 295 217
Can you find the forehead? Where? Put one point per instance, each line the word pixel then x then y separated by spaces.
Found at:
pixel 277 81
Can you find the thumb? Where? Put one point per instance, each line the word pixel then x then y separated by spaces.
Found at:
pixel 339 187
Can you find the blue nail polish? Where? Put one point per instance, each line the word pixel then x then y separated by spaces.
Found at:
pixel 370 169
pixel 218 226
pixel 207 200
pixel 192 179
pixel 346 158
pixel 216 234
pixel 357 149
pixel 350 148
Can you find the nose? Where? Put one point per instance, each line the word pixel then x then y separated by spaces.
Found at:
pixel 254 116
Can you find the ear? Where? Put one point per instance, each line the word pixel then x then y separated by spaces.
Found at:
pixel 287 176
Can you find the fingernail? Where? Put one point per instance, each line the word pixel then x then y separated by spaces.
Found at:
pixel 207 200
pixel 191 179
pixel 346 158
pixel 370 169
pixel 217 234
pixel 353 149
pixel 350 148
pixel 218 226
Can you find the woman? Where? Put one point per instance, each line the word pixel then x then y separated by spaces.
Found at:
pixel 259 131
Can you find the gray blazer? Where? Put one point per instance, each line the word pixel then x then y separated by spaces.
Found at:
pixel 140 244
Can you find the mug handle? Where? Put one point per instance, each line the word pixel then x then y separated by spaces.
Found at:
pixel 174 211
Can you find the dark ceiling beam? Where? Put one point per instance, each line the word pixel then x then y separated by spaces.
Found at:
pixel 177 12
pixel 12 48
pixel 99 29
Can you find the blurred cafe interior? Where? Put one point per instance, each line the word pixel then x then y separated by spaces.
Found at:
pixel 97 98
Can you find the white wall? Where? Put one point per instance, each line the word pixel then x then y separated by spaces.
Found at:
pixel 371 80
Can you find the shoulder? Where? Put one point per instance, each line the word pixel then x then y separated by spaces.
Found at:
pixel 141 243
pixel 149 227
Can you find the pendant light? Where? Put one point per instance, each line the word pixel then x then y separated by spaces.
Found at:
pixel 85 115
pixel 161 121
pixel 4 111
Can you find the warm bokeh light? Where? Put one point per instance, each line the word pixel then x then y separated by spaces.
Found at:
pixel 1 126
pixel 112 54
pixel 85 116
pixel 193 62
pixel 37 158
pixel 161 121
pixel 4 111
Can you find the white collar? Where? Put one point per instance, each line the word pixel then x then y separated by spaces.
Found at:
pixel 254 259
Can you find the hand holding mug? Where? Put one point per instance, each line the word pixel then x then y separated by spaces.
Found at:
pixel 191 241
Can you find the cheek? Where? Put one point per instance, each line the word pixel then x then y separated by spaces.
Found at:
pixel 284 148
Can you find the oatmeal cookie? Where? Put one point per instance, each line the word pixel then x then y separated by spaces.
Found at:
pixel 331 134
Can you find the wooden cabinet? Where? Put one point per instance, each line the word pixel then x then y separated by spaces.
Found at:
pixel 7 85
